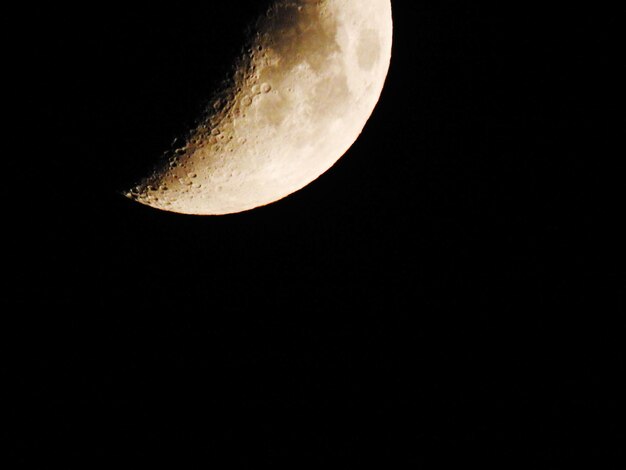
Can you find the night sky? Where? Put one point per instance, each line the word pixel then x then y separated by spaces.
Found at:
pixel 450 293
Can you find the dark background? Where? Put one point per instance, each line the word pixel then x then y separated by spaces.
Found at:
pixel 450 292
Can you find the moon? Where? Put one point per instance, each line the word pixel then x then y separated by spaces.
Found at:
pixel 298 98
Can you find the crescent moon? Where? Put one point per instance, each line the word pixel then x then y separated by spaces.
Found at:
pixel 299 97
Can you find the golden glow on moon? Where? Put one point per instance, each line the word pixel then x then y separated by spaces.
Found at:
pixel 298 100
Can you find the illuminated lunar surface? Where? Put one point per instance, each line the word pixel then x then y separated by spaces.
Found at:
pixel 298 99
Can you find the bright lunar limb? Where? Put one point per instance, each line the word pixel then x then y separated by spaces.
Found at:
pixel 298 99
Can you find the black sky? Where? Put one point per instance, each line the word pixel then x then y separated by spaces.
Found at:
pixel 451 291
